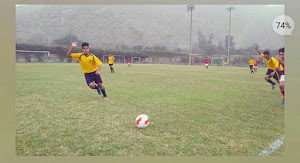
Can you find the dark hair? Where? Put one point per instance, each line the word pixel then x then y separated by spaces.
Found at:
pixel 84 44
pixel 267 52
pixel 281 50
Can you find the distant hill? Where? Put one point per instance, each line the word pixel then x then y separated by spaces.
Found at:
pixel 147 25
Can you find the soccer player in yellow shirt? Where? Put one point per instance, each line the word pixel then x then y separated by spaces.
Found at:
pixel 111 59
pixel 251 64
pixel 91 67
pixel 272 64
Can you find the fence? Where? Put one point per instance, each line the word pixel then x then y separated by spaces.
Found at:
pixel 58 54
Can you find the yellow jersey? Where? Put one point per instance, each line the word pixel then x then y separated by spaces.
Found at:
pixel 251 62
pixel 111 59
pixel 281 67
pixel 88 64
pixel 271 63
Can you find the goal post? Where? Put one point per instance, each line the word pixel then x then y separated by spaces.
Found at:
pixel 118 58
pixel 214 61
pixel 136 59
pixel 40 56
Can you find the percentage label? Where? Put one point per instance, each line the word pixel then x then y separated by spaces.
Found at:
pixel 284 25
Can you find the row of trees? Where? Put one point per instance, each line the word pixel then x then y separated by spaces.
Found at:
pixel 207 47
pixel 203 46
pixel 66 41
pixel 61 52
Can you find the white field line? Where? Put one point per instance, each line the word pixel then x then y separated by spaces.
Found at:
pixel 201 78
pixel 273 147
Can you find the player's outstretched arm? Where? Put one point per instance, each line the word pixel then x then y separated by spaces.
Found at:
pixel 74 44
pixel 257 50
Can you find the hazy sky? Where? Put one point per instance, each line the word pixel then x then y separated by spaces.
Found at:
pixel 149 24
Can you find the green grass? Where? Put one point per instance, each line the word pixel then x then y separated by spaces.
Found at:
pixel 279 152
pixel 193 111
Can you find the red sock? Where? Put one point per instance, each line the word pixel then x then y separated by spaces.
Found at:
pixel 282 91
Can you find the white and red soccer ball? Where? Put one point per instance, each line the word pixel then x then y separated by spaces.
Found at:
pixel 142 121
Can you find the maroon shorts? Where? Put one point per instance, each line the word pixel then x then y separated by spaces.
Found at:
pixel 91 77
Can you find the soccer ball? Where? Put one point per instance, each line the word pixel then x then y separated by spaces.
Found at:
pixel 142 121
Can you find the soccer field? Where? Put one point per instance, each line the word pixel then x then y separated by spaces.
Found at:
pixel 193 111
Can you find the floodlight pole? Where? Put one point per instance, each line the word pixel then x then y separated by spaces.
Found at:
pixel 228 44
pixel 191 8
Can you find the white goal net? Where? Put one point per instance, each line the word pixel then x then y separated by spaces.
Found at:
pixel 218 62
pixel 32 56
pixel 135 59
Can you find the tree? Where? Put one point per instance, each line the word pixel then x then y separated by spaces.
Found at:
pixel 232 44
pixel 67 40
pixel 221 49
pixel 195 48
pixel 211 49
pixel 220 46
pixel 206 47
pixel 209 42
pixel 201 42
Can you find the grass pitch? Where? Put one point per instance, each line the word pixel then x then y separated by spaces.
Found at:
pixel 193 111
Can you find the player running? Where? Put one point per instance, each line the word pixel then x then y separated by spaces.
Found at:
pixel 281 81
pixel 90 65
pixel 128 62
pixel 111 59
pixel 255 65
pixel 251 64
pixel 272 64
pixel 206 62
